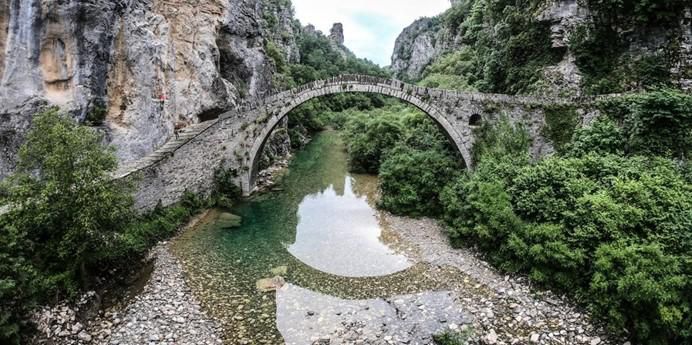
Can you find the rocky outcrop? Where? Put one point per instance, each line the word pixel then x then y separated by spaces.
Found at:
pixel 56 52
pixel 424 41
pixel 417 46
pixel 336 34
pixel 149 64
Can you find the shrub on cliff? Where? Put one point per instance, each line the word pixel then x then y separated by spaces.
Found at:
pixel 654 123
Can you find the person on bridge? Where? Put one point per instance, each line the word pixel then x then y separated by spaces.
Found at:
pixel 162 101
pixel 176 130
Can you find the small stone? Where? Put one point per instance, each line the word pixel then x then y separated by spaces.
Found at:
pixel 84 336
pixel 595 341
pixel 491 337
pixel 270 284
pixel 534 337
pixel 279 271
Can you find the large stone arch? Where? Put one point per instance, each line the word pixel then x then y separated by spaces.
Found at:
pixel 297 97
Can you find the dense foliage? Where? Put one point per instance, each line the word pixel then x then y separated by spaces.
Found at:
pixel 504 48
pixel 601 46
pixel 657 122
pixel 408 150
pixel 505 45
pixel 68 222
pixel 608 220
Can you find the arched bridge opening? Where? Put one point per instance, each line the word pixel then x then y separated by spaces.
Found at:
pixel 283 104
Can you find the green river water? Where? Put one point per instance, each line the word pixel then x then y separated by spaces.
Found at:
pixel 318 230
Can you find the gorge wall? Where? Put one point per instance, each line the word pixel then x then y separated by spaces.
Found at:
pixel 641 41
pixel 135 68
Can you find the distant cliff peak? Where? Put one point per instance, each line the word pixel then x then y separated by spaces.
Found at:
pixel 336 34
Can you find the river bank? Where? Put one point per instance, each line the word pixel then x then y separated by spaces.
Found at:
pixel 504 309
pixel 499 309
pixel 342 272
pixel 162 311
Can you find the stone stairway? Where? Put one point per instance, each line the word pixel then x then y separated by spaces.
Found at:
pixel 164 151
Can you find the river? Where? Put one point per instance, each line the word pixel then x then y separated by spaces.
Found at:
pixel 337 264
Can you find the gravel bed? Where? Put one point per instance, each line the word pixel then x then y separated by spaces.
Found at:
pixel 164 312
pixel 505 309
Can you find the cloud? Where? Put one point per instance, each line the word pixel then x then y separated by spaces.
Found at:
pixel 370 26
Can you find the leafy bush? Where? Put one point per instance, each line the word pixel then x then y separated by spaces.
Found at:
pixel 658 122
pixel 413 156
pixel 368 136
pixel 603 136
pixel 561 121
pixel 613 230
pixel 96 115
pixel 225 188
pixel 411 180
pixel 18 282
pixel 64 200
pixel 452 338
pixel 643 288
pixel 69 223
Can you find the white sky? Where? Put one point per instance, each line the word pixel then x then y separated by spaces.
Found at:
pixel 370 26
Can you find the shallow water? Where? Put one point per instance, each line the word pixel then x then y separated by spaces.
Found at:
pixel 321 233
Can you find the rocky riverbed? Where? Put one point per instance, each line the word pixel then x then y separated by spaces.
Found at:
pixel 164 312
pixel 504 309
pixel 489 307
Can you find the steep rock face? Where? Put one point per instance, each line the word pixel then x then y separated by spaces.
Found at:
pixel 336 34
pixel 426 40
pixel 146 64
pixel 563 16
pixel 419 45
pixel 56 52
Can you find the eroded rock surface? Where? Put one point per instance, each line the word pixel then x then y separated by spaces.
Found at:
pixel 147 64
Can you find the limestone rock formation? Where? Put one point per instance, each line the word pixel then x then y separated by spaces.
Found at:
pixel 417 46
pixel 425 40
pixel 149 64
pixel 336 34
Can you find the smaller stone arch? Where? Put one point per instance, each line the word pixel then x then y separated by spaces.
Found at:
pixel 475 120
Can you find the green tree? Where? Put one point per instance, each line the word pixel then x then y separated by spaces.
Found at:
pixel 369 136
pixel 64 200
pixel 18 281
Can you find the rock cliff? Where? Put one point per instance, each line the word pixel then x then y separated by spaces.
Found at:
pixel 428 40
pixel 134 68
pixel 418 46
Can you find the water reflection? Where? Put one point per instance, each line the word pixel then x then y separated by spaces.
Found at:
pixel 340 234
pixel 318 233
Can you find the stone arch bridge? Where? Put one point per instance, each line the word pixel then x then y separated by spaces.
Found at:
pixel 236 138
